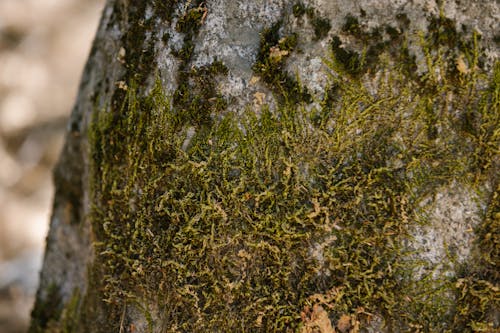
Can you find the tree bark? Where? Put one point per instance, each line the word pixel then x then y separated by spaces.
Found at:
pixel 261 166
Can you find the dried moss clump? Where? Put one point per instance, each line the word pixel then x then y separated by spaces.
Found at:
pixel 267 221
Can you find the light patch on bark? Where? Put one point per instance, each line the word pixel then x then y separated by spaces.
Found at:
pixel 448 237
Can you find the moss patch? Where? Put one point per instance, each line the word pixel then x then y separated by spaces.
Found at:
pixel 46 311
pixel 196 98
pixel 266 219
pixel 271 61
pixel 369 45
pixel 53 316
pixel 320 24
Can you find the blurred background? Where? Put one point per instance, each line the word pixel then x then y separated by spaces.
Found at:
pixel 43 48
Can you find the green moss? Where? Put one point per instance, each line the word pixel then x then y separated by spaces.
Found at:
pixel 299 9
pixel 477 290
pixel 164 9
pixel 246 222
pixel 321 25
pixel 165 38
pixel 368 47
pixel 54 316
pixel 196 99
pixel 403 20
pixel 442 30
pixel 392 32
pixel 351 26
pixel 139 57
pixel 138 41
pixel 70 314
pixel 274 49
pixel 349 61
pixel 141 36
pixel 191 21
pixel 46 310
pixel 469 301
pixel 374 45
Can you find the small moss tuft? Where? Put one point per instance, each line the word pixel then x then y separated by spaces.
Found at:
pixel 191 21
pixel 53 316
pixel 321 27
pixel 196 99
pixel 47 310
pixel 351 26
pixel 299 9
pixel 351 62
pixel 274 49
pixel 442 31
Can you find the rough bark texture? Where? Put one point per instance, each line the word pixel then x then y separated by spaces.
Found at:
pixel 259 166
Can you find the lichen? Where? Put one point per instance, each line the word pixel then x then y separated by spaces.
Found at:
pixel 267 217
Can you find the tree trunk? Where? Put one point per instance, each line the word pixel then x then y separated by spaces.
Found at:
pixel 278 166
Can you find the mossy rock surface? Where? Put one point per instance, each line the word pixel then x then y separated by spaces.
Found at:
pixel 308 213
pixel 267 220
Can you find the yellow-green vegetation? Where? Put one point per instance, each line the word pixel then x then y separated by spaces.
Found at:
pixel 249 222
